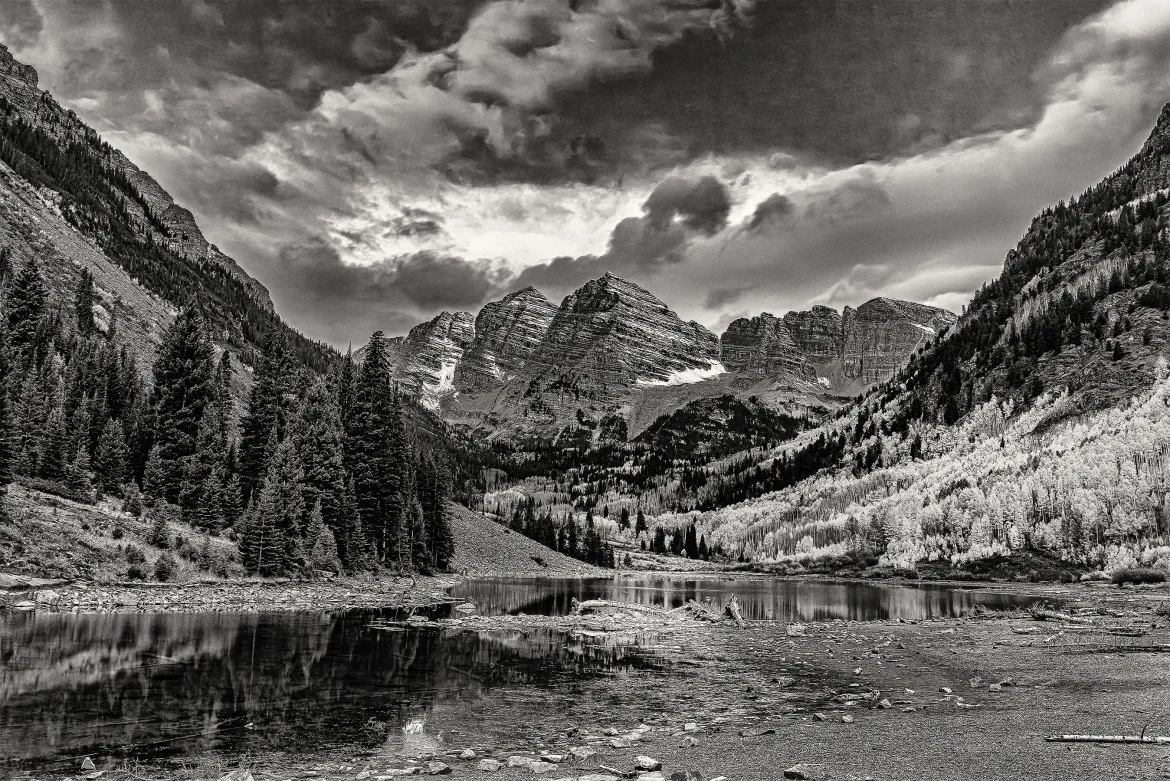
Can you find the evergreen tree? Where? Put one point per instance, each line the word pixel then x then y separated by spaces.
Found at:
pixel 321 543
pixel 353 545
pixel 83 301
pixel 691 544
pixel 624 519
pixel 7 444
pixel 640 524
pixel 270 542
pixel 209 511
pixel 183 387
pixel 199 469
pixel 232 504
pixel 77 473
pixel 266 413
pixel 704 552
pixel 319 442
pixel 26 307
pixel 154 478
pixel 375 450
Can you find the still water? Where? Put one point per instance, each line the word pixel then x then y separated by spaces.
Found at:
pixel 767 599
pixel 149 684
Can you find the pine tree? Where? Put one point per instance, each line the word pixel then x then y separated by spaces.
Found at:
pixel 436 481
pixel 7 444
pixel 83 301
pixel 321 543
pixel 154 480
pixel 640 524
pixel 199 468
pixel 352 542
pixel 270 542
pixel 375 450
pixel 232 504
pixel 318 438
pixel 209 511
pixel 54 444
pixel 266 413
pixel 691 544
pixel 624 519
pixel 704 553
pixel 26 307
pixel 415 526
pixel 183 387
pixel 77 472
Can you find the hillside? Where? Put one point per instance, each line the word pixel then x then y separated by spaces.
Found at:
pixel 1039 425
pixel 486 548
pixel 72 201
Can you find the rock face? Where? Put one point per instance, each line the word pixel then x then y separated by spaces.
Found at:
pixel 882 333
pixel 425 360
pixel 611 335
pixel 840 352
pixel 763 346
pixel 613 352
pixel 507 334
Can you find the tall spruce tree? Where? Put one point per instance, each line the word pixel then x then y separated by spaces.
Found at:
pixel 183 387
pixel 319 442
pixel 375 451
pixel 110 457
pixel 83 301
pixel 26 307
pixel 266 412
pixel 270 542
pixel 7 456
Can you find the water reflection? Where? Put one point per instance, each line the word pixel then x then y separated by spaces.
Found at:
pixel 152 683
pixel 760 599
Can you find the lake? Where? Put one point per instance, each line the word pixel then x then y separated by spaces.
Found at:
pixel 153 684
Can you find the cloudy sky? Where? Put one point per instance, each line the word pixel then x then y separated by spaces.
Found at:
pixel 374 162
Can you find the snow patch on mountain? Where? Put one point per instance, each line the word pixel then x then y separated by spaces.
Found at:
pixel 688 376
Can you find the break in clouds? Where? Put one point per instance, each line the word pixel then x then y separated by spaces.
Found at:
pixel 377 162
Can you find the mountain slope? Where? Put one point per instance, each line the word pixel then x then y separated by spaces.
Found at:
pixel 121 213
pixel 1039 425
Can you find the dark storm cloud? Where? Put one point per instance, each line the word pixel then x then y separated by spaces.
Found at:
pixel 701 204
pixel 350 300
pixel 441 282
pixel 774 210
pixel 720 297
pixel 675 211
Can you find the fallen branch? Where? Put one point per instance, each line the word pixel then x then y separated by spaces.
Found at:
pixel 1044 614
pixel 1144 739
pixel 606 605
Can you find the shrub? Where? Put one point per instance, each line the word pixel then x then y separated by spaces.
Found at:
pixel 165 568
pixel 117 533
pixel 160 536
pixel 134 555
pixel 135 572
pixel 133 503
pixel 1138 575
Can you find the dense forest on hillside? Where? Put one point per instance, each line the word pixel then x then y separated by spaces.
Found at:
pixel 319 473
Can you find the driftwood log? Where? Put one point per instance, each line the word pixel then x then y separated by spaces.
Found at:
pixel 691 609
pixel 1044 614
pixel 1157 740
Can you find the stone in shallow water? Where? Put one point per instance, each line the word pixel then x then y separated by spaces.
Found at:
pixel 438 768
pixel 645 763
pixel 582 752
pixel 467 754
pixel 489 765
pixel 87 764
pixel 598 777
pixel 538 767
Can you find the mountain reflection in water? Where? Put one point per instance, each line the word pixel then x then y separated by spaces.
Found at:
pixel 132 683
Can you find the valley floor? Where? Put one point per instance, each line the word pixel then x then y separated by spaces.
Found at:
pixel 919 698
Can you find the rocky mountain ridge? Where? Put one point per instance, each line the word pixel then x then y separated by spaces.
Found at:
pixel 612 349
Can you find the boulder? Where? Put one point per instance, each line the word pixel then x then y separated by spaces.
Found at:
pixel 489 765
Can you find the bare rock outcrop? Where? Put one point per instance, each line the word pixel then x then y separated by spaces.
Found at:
pixel 508 333
pixel 881 334
pixel 612 335
pixel 425 360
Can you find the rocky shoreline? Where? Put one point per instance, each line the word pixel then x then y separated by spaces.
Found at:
pixel 228 596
